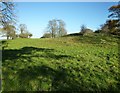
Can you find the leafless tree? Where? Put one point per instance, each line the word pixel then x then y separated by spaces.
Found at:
pixel 7 14
pixel 56 28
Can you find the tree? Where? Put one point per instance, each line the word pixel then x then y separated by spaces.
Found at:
pixel 83 28
pixel 7 19
pixel 105 28
pixel 9 31
pixel 85 31
pixel 61 28
pixel 115 11
pixel 52 27
pixel 30 35
pixel 112 26
pixel 114 23
pixel 23 28
pixel 24 32
pixel 47 35
pixel 7 14
pixel 56 28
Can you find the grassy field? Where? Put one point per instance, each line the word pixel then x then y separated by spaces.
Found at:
pixel 72 63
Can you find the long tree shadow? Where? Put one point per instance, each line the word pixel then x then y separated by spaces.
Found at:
pixel 24 78
pixel 40 77
pixel 15 57
pixel 12 54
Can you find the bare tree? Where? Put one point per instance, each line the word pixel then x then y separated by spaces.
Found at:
pixel 7 14
pixel 82 28
pixel 61 28
pixel 23 28
pixel 52 27
pixel 7 18
pixel 56 28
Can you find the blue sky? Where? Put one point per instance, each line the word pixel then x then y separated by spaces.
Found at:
pixel 37 14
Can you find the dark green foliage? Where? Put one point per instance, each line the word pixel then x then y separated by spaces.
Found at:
pixel 4 44
pixel 97 31
pixel 110 27
pixel 30 35
pixel 115 16
pixel 73 34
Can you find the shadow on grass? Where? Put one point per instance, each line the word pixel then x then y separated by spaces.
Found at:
pixel 12 54
pixel 40 77
pixel 25 79
pixel 73 34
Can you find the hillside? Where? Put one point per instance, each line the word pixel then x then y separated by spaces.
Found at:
pixel 70 63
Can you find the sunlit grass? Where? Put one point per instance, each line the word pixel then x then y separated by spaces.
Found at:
pixel 68 64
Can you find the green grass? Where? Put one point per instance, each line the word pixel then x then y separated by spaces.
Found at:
pixel 72 63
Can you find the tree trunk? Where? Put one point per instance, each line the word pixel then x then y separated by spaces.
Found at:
pixel 7 37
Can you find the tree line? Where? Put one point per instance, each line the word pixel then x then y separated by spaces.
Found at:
pixel 8 22
pixel 112 25
pixel 55 27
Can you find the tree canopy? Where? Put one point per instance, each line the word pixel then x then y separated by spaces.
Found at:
pixel 115 11
pixel 10 31
pixel 56 28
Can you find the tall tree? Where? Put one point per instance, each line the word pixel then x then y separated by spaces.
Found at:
pixel 23 28
pixel 61 28
pixel 114 23
pixel 112 26
pixel 52 27
pixel 7 14
pixel 56 28
pixel 7 18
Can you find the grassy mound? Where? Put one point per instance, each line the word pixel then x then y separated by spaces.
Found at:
pixel 71 63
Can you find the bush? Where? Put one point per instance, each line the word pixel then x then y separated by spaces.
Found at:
pixel 23 35
pixel 47 35
pixel 87 32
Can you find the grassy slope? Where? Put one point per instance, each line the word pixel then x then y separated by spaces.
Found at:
pixel 67 63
